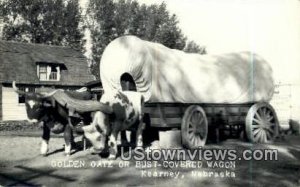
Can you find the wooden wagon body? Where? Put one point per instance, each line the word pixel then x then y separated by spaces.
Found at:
pixel 256 122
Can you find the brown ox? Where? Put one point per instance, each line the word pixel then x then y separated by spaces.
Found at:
pixel 127 110
pixel 60 111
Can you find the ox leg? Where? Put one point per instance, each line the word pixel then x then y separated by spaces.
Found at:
pixel 112 143
pixel 69 139
pixel 45 140
pixel 139 135
pixel 124 140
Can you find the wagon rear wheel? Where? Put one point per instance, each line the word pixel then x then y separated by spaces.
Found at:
pixel 261 123
pixel 194 127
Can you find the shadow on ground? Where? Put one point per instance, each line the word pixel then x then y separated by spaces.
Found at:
pixel 35 170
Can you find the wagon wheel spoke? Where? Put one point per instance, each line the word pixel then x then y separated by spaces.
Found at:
pixel 265 111
pixel 190 130
pixel 191 137
pixel 261 138
pixel 261 111
pixel 202 134
pixel 258 116
pixel 199 129
pixel 270 118
pixel 256 131
pixel 269 124
pixel 257 137
pixel 257 121
pixel 195 117
pixel 201 121
pixel 264 136
pixel 199 140
pixel 196 141
pixel 260 135
pixel 270 129
pixel 268 113
pixel 269 136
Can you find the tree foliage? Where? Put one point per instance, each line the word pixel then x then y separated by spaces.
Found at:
pixel 192 47
pixel 111 19
pixel 54 22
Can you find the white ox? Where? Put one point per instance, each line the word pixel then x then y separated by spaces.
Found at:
pixel 127 110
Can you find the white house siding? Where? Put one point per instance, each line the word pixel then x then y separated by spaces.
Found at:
pixel 0 102
pixel 286 103
pixel 11 109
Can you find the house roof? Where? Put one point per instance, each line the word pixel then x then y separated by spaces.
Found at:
pixel 18 61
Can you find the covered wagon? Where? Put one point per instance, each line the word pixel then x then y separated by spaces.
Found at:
pixel 197 93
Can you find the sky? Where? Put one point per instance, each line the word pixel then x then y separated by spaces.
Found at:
pixel 270 28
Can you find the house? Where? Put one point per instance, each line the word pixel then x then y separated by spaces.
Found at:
pixel 33 66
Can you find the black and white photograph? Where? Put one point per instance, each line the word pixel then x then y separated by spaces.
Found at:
pixel 150 93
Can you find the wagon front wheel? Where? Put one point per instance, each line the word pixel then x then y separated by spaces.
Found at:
pixel 261 123
pixel 194 127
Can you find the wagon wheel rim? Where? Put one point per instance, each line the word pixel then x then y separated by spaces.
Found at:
pixel 262 124
pixel 195 127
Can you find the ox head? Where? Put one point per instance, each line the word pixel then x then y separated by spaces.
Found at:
pixel 36 103
pixel 98 131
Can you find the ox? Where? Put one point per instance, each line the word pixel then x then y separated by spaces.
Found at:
pixel 127 112
pixel 59 117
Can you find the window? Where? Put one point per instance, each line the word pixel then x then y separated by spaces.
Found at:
pixel 48 72
pixel 43 72
pixel 53 73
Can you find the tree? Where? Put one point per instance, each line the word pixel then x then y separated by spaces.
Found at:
pixel 170 34
pixel 112 19
pixel 192 47
pixel 54 22
pixel 103 31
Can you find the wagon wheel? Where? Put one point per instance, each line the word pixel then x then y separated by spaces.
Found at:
pixel 261 123
pixel 194 127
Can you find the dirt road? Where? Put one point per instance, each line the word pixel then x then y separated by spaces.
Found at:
pixel 21 165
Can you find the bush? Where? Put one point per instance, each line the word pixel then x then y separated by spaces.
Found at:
pixel 18 126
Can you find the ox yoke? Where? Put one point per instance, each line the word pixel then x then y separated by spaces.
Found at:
pixel 76 106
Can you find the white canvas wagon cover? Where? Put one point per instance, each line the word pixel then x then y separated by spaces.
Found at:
pixel 168 75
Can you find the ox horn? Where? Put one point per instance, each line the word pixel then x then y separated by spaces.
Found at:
pixel 16 89
pixel 46 95
pixel 105 108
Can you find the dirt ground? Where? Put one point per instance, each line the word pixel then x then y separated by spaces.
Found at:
pixel 21 165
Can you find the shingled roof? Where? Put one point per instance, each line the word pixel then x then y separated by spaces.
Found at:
pixel 18 61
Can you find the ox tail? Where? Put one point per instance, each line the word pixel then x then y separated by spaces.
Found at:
pixel 142 107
